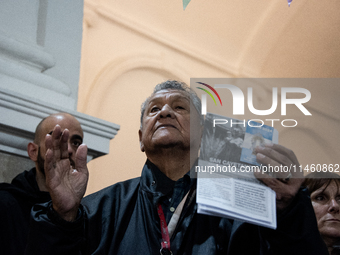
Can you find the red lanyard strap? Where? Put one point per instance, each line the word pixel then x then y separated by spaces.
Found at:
pixel 167 233
pixel 165 245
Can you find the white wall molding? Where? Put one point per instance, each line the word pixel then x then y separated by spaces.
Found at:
pixel 21 116
pixel 39 75
pixel 25 53
pixel 16 71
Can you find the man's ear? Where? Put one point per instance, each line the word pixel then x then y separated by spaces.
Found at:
pixel 140 140
pixel 33 150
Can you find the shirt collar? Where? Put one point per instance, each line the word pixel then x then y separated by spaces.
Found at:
pixel 160 182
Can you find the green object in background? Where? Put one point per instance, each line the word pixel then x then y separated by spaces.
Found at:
pixel 185 3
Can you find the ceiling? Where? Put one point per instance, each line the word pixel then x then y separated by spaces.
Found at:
pixel 251 38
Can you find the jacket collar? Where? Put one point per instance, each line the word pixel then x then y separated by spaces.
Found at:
pixel 155 181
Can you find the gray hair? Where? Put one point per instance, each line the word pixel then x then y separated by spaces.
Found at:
pixel 176 85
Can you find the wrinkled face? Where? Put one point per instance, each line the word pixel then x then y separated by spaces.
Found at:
pixel 166 121
pixel 326 207
pixel 74 141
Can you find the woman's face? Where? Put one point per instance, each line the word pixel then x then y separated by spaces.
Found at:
pixel 326 203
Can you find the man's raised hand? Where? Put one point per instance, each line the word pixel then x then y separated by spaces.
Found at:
pixel 66 185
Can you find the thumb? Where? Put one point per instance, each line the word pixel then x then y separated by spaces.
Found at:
pixel 81 158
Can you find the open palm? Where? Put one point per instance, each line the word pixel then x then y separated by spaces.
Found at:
pixel 66 185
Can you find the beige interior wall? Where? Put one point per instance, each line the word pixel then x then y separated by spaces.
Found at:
pixel 130 46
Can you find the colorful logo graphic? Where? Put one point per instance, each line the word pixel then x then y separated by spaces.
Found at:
pixel 212 89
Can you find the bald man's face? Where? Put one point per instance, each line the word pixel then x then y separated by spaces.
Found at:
pixel 74 141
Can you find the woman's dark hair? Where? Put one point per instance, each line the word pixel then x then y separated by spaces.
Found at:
pixel 317 180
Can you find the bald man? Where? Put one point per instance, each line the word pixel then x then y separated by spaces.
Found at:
pixel 29 187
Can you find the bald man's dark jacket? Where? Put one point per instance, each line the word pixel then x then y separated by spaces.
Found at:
pixel 16 201
pixel 123 219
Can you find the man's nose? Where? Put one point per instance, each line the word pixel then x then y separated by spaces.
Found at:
pixel 166 111
pixel 333 206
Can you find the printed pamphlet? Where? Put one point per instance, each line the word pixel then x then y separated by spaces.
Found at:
pixel 226 185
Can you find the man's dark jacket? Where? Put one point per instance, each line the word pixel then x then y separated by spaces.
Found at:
pixel 16 201
pixel 123 219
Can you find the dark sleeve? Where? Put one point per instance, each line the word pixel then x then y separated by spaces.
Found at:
pixel 13 226
pixel 297 231
pixel 50 234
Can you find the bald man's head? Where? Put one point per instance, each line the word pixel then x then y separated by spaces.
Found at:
pixel 37 149
pixel 48 122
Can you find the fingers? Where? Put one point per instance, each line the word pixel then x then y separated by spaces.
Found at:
pixel 49 163
pixel 59 142
pixel 56 149
pixel 277 183
pixel 278 156
pixel 81 159
pixel 64 145
pixel 284 160
pixel 285 191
